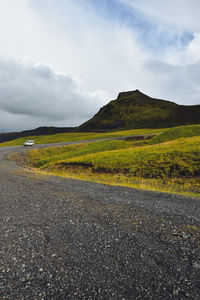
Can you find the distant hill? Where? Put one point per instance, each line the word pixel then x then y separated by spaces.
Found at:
pixel 136 110
pixel 4 137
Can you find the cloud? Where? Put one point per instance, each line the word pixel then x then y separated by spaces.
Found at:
pixel 173 40
pixel 99 51
pixel 102 57
pixel 192 51
pixel 37 91
pixel 180 15
pixel 96 52
pixel 110 54
pixel 180 83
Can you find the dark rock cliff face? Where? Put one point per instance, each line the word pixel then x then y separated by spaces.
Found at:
pixel 134 109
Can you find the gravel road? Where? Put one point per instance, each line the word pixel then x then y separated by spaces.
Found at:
pixel 69 239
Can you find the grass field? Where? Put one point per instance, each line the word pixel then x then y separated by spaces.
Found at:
pixel 44 157
pixel 172 166
pixel 176 133
pixel 79 136
pixel 170 161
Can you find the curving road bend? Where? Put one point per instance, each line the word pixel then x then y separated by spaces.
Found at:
pixel 69 239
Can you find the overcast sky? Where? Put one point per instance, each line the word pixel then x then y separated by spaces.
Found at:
pixel 61 60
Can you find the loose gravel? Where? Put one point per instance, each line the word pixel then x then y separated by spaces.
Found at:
pixel 69 239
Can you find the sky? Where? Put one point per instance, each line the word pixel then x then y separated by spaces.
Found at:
pixel 62 60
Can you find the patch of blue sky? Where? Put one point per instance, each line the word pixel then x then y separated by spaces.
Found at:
pixel 113 10
pixel 157 40
pixel 151 35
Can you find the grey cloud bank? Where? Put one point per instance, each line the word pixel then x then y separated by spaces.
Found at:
pixel 178 83
pixel 38 92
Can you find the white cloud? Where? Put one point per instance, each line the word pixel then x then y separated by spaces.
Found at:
pixel 174 72
pixel 192 51
pixel 102 56
pixel 70 36
pixel 102 53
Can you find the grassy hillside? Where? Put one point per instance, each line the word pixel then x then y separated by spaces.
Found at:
pixel 79 136
pixel 137 110
pixel 171 166
pixel 176 133
pixel 44 157
pixel 178 158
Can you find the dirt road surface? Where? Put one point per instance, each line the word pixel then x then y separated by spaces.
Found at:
pixel 69 239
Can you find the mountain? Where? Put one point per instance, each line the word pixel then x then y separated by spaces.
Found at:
pixel 4 137
pixel 130 110
pixel 134 109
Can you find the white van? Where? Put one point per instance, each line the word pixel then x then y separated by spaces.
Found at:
pixel 29 143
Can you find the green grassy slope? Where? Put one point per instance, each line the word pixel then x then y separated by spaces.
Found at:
pixel 79 136
pixel 179 158
pixel 137 110
pixel 172 166
pixel 170 161
pixel 43 157
pixel 176 133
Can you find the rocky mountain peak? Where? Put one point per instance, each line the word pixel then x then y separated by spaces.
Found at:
pixel 129 94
